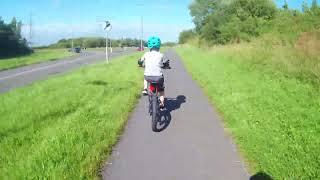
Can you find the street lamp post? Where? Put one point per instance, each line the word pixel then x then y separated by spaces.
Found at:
pixel 72 41
pixel 108 28
pixel 141 41
pixel 111 45
pixel 141 45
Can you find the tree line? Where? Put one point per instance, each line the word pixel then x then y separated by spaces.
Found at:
pixel 11 41
pixel 94 42
pixel 233 21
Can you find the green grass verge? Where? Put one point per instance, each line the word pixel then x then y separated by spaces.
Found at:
pixel 36 57
pixel 269 103
pixel 65 127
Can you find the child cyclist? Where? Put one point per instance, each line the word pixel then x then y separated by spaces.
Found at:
pixel 153 62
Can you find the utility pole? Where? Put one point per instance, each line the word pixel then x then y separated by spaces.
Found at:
pixel 141 41
pixel 141 45
pixel 107 55
pixel 110 45
pixel 72 39
pixel 30 30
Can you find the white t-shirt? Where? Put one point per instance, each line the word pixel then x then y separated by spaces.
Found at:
pixel 153 62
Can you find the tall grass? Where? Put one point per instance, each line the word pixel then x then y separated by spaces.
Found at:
pixel 64 128
pixel 36 57
pixel 268 95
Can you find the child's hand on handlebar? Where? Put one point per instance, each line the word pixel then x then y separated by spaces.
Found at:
pixel 140 63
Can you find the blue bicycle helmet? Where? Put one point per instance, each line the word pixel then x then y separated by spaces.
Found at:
pixel 154 42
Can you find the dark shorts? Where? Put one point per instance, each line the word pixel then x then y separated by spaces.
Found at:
pixel 157 79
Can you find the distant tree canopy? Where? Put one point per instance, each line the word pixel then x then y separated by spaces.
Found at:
pixel 186 35
pixel 285 5
pixel 314 4
pixel 169 44
pixel 93 42
pixel 200 9
pixel 227 21
pixel 11 41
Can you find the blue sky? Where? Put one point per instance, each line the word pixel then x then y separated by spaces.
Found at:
pixel 56 19
pixel 293 4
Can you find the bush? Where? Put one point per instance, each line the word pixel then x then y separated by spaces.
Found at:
pixel 186 35
pixel 239 20
pixel 222 22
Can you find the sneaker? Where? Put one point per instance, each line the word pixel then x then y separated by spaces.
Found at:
pixel 161 106
pixel 145 92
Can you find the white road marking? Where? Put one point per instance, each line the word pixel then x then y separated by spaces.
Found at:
pixel 41 68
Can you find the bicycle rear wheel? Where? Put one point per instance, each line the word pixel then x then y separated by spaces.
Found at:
pixel 155 111
pixel 150 104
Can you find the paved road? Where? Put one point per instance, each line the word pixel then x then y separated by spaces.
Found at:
pixel 22 76
pixel 192 147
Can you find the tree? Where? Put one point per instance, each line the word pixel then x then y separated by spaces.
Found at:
pixel 200 9
pixel 314 5
pixel 18 30
pixel 285 5
pixel 11 41
pixel 237 20
pixel 13 24
pixel 169 44
pixel 1 22
pixel 186 35
pixel 93 42
pixel 305 7
pixel 62 41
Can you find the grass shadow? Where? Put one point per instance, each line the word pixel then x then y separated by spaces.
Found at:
pixel 41 121
pixel 15 55
pixel 261 176
pixel 98 83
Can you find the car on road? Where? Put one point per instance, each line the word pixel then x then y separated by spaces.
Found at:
pixel 140 49
pixel 76 50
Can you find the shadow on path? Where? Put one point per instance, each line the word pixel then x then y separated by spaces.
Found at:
pixel 171 104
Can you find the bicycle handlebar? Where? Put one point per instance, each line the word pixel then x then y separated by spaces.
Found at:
pixel 165 65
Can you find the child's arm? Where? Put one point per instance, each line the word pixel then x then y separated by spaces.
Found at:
pixel 141 60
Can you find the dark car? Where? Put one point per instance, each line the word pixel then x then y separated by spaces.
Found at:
pixel 77 50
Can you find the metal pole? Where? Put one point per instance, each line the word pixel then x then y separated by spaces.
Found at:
pixel 72 39
pixel 141 45
pixel 107 55
pixel 110 45
pixel 72 43
pixel 30 30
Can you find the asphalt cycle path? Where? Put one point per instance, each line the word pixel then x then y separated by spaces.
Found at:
pixel 191 144
pixel 19 77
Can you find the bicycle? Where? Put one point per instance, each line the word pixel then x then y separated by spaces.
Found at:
pixel 153 96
